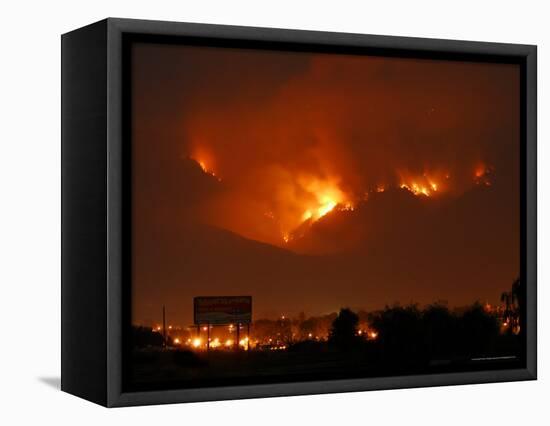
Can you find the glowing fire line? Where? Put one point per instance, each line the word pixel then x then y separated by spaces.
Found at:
pixel 325 194
pixel 207 170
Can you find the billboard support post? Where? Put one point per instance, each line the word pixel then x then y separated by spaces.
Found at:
pixel 208 337
pixel 163 326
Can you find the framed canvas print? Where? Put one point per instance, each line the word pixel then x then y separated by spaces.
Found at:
pixel 252 212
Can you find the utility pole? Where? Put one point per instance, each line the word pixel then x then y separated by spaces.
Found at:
pixel 164 326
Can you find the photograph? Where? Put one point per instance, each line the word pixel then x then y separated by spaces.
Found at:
pixel 274 213
pixel 302 215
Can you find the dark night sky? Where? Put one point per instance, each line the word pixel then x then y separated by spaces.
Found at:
pixel 288 134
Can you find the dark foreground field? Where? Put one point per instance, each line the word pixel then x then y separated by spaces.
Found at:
pixel 154 369
pixel 409 341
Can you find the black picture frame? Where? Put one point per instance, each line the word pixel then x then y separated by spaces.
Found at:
pixel 95 200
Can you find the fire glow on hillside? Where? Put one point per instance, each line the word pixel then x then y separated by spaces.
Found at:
pixel 323 196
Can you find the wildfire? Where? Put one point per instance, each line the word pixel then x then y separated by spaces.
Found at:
pixel 480 171
pixel 417 189
pixel 482 175
pixel 326 207
pixel 203 166
pixel 207 170
pixel 425 185
pixel 326 194
pixel 205 159
pixel 301 198
pixel 317 198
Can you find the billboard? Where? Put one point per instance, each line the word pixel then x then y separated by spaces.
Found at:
pixel 222 309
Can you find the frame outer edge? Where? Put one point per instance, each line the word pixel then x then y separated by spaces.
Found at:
pixel 83 210
pixel 116 27
pixel 318 37
pixel 531 216
pixel 114 212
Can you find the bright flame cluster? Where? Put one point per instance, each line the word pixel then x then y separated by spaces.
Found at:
pixel 327 194
pixel 303 198
pixel 320 197
pixel 428 184
pixel 418 189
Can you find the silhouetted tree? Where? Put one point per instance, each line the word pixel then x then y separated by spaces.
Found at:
pixel 508 298
pixel 284 330
pixel 514 301
pixel 519 289
pixel 145 336
pixel 519 297
pixel 308 328
pixel 478 331
pixel 439 331
pixel 400 334
pixel 343 332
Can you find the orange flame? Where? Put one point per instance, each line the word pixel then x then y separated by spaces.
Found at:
pixel 205 159
pixel 426 185
pixel 301 199
pixel 327 195
pixel 319 197
pixel 205 168
pixel 417 189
